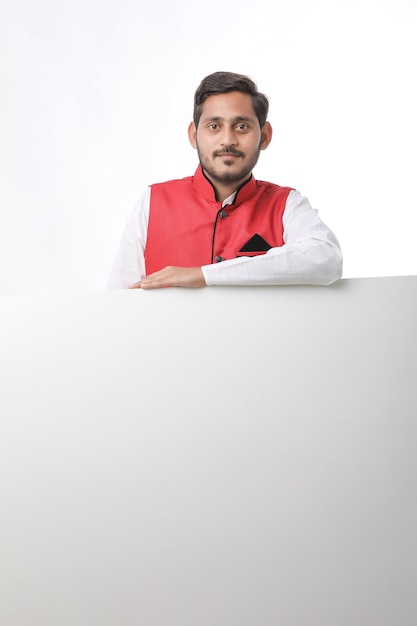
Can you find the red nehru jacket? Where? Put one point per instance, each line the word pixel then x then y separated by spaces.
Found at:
pixel 189 228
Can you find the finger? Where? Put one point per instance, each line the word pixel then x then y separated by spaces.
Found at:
pixel 137 285
pixel 154 284
pixel 159 279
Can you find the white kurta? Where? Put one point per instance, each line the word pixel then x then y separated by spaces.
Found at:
pixel 311 253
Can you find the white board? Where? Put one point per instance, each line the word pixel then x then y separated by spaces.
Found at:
pixel 226 456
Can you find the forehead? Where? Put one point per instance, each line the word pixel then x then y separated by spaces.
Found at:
pixel 228 106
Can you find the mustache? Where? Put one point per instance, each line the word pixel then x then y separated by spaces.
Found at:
pixel 228 150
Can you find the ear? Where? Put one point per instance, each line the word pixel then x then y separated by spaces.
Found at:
pixel 266 135
pixel 192 135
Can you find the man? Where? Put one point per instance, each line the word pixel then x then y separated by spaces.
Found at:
pixel 221 226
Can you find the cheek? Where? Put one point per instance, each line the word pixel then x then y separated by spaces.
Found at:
pixel 205 145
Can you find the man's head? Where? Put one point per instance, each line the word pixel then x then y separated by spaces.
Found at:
pixel 225 82
pixel 229 129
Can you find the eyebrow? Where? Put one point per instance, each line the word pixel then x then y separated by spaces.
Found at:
pixel 238 118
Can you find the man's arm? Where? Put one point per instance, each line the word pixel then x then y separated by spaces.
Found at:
pixel 311 254
pixel 129 263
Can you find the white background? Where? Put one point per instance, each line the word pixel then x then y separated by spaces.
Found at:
pixel 96 97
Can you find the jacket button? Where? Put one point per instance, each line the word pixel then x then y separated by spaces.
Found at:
pixel 218 259
pixel 223 214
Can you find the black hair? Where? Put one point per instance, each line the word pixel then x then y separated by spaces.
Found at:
pixel 225 82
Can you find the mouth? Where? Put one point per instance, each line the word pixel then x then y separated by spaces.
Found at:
pixel 228 158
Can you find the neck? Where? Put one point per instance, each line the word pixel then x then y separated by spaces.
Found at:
pixel 224 190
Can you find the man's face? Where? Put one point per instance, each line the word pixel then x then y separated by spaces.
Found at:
pixel 229 138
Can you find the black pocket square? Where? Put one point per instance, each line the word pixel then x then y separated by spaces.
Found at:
pixel 255 245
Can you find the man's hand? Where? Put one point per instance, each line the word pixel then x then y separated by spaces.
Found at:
pixel 172 277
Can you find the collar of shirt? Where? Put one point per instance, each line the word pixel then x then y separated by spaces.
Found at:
pixel 229 199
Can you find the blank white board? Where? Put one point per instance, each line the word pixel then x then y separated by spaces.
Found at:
pixel 226 456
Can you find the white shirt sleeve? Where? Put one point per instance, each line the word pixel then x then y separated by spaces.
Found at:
pixel 310 255
pixel 129 264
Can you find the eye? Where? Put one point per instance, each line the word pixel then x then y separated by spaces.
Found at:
pixel 213 126
pixel 242 127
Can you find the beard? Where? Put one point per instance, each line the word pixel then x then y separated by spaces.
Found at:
pixel 227 177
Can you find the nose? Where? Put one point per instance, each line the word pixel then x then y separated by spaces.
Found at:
pixel 229 137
